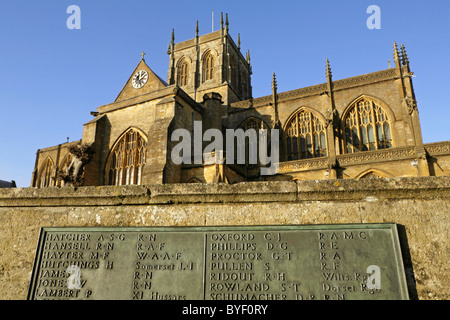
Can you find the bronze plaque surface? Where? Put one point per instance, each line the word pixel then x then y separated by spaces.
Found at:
pixel 314 262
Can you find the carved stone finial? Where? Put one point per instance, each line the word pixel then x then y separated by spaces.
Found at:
pixel 328 69
pixel 396 55
pixel 171 47
pixel 226 23
pixel 274 82
pixel 405 60
pixel 142 56
pixel 275 119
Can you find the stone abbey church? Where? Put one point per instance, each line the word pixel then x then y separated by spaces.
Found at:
pixel 365 126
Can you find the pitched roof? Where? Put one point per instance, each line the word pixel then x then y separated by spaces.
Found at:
pixel 7 184
pixel 153 83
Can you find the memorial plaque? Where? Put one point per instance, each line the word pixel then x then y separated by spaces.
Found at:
pixel 314 262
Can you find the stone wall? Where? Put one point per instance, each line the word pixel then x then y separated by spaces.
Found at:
pixel 421 206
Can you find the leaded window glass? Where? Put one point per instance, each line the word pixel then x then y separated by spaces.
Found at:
pixel 257 125
pixel 367 128
pixel 208 66
pixel 306 136
pixel 183 73
pixel 45 176
pixel 127 159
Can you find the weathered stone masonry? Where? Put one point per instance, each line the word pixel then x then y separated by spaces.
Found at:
pixel 421 206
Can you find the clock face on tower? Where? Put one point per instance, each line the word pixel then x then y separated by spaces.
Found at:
pixel 140 79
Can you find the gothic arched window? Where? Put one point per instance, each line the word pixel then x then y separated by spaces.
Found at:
pixel 64 167
pixel 127 159
pixel 251 156
pixel 371 175
pixel 45 175
pixel 208 67
pixel 306 136
pixel 366 127
pixel 183 73
pixel 253 123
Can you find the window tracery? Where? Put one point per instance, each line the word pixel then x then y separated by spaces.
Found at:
pixel 306 136
pixel 183 73
pixel 64 167
pixel 367 128
pixel 127 159
pixel 208 66
pixel 45 176
pixel 257 125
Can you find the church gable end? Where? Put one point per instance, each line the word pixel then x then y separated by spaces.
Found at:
pixel 143 80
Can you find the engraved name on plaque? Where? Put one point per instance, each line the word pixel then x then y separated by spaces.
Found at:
pixel 315 262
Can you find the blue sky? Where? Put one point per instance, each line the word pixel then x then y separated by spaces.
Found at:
pixel 51 77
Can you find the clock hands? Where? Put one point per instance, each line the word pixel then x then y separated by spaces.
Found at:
pixel 139 79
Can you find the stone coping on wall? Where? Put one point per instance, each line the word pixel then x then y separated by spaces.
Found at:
pixel 245 192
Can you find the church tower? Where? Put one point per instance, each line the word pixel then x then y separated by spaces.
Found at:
pixel 210 63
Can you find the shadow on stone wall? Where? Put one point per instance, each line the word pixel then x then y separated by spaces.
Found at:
pixel 407 262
